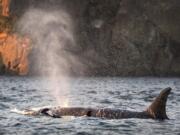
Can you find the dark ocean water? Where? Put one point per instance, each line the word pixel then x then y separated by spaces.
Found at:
pixel 124 93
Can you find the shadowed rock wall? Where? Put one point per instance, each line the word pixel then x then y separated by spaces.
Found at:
pixel 128 37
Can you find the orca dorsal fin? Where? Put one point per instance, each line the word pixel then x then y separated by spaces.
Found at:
pixel 157 109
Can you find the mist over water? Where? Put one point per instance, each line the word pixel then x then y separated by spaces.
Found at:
pixel 52 40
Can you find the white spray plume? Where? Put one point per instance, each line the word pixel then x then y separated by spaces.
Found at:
pixel 52 35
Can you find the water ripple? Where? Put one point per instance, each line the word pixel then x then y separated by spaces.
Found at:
pixel 125 93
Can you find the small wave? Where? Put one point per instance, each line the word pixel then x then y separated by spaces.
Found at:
pixel 15 110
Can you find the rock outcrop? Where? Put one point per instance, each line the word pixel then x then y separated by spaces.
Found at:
pixel 14 52
pixel 121 37
pixel 14 49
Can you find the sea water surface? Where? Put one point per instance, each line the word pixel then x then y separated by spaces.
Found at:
pixel 124 93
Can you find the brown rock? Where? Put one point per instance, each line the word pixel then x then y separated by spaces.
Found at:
pixel 14 51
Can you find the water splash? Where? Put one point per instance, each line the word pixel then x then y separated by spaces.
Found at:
pixel 24 112
pixel 29 111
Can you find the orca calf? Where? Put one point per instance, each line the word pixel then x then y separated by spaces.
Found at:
pixel 157 110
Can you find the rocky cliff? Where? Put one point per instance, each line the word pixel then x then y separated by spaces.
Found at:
pixel 14 52
pixel 14 49
pixel 120 37
pixel 130 37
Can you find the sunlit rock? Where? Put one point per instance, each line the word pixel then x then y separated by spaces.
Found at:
pixel 14 52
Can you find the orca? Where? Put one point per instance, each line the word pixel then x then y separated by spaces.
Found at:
pixel 157 110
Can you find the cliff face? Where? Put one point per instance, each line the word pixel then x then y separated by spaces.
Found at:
pixel 121 37
pixel 147 34
pixel 14 52
pixel 128 37
pixel 14 49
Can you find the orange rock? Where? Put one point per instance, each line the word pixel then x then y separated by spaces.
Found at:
pixel 5 7
pixel 3 35
pixel 14 52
